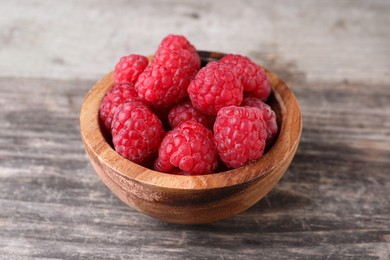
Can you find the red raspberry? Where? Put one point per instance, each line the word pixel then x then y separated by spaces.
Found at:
pixel 162 87
pixel 239 135
pixel 117 95
pixel 165 81
pixel 188 147
pixel 215 86
pixel 129 68
pixel 173 59
pixel 185 111
pixel 136 131
pixel 254 78
pixel 269 116
pixel 175 42
pixel 178 43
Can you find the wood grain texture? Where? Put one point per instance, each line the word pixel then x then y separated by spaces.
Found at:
pixel 333 202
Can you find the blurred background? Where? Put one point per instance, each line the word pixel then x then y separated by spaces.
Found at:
pixel 318 40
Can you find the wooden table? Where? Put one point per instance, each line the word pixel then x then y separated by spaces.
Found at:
pixel 334 201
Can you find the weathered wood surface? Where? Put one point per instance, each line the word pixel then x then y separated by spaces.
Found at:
pixel 334 201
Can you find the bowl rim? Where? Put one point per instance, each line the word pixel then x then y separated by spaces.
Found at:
pixel 285 144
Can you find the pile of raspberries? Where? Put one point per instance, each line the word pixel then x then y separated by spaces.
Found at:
pixel 186 119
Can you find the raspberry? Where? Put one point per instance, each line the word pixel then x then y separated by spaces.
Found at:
pixel 117 95
pixel 269 116
pixel 215 86
pixel 136 131
pixel 254 78
pixel 175 42
pixel 173 59
pixel 185 111
pixel 129 68
pixel 178 43
pixel 162 87
pixel 239 135
pixel 165 81
pixel 188 147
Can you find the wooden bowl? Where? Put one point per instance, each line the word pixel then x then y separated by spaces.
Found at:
pixel 192 199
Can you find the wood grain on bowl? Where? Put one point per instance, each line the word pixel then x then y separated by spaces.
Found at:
pixel 192 199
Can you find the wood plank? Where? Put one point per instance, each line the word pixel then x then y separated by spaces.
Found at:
pixel 333 202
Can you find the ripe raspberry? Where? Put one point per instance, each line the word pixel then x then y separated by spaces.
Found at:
pixel 129 68
pixel 136 131
pixel 188 147
pixel 239 135
pixel 254 78
pixel 215 86
pixel 178 43
pixel 185 111
pixel 173 59
pixel 165 81
pixel 269 116
pixel 175 42
pixel 117 95
pixel 162 87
